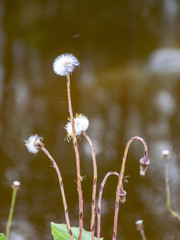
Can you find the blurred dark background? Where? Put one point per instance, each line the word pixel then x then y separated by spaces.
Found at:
pixel 128 84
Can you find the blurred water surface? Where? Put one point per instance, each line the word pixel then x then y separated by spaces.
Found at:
pixel 119 86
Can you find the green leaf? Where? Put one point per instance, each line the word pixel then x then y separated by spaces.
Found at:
pixel 60 232
pixel 2 237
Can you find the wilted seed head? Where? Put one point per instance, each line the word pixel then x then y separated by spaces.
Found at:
pixel 33 143
pixel 65 64
pixel 16 185
pixel 165 154
pixel 144 163
pixel 122 195
pixel 81 123
pixel 139 225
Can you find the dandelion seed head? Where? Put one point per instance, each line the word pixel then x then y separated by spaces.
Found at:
pixel 81 123
pixel 65 64
pixel 33 143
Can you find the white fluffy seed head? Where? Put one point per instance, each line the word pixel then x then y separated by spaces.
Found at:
pixel 81 123
pixel 65 64
pixel 33 143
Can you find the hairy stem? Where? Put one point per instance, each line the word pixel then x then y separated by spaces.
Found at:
pixel 100 201
pixel 75 143
pixel 121 177
pixel 61 188
pixel 93 214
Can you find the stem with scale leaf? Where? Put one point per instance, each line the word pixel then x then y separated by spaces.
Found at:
pixel 93 214
pixel 41 146
pixel 75 143
pixel 144 162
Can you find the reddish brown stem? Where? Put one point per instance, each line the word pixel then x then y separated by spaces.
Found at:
pixel 75 143
pixel 93 214
pixel 61 188
pixel 119 186
pixel 100 201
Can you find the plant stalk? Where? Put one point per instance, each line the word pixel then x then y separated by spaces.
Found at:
pixel 61 188
pixel 13 201
pixel 168 197
pixel 119 186
pixel 143 234
pixel 100 201
pixel 75 143
pixel 93 214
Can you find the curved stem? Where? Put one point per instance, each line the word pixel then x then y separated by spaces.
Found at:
pixel 121 177
pixel 100 201
pixel 75 143
pixel 61 188
pixel 93 214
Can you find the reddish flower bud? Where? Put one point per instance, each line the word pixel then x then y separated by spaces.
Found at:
pixel 122 195
pixel 144 163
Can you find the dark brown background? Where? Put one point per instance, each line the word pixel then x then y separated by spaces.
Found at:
pixel 113 87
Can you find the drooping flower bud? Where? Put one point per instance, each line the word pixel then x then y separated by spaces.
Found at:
pixel 144 163
pixel 122 195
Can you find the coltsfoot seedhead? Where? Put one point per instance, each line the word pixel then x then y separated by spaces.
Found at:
pixel 81 123
pixel 144 163
pixel 33 143
pixel 65 64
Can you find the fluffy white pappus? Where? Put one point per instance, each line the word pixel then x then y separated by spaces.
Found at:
pixel 33 143
pixel 65 64
pixel 81 123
